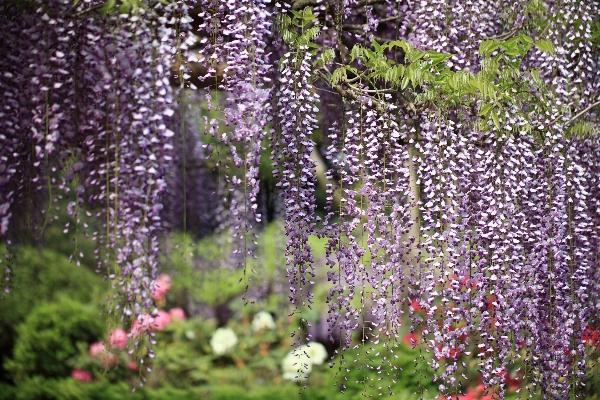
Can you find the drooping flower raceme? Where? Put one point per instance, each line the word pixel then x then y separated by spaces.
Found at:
pixel 466 183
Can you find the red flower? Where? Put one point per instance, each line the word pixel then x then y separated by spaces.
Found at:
pixel 476 393
pixel 161 286
pixel 468 282
pixel 98 351
pixel 512 383
pixel 453 353
pixel 411 339
pixel 591 336
pixel 132 366
pixel 415 305
pixel 81 375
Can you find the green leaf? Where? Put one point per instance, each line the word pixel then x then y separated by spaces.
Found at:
pixel 526 39
pixel 487 47
pixel 495 119
pixel 437 57
pixel 356 52
pixel 297 14
pixel 328 56
pixel 405 81
pixel 377 46
pixel 415 55
pixel 485 109
pixel 400 43
pixel 308 16
pixel 338 75
pixel 546 46
pixel 535 74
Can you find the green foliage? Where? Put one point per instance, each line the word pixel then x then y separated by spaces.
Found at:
pixel 596 32
pixel 424 80
pixel 374 364
pixel 51 335
pixel 39 388
pixel 42 277
pixel 184 354
pixel 301 29
pixel 582 129
pixel 206 273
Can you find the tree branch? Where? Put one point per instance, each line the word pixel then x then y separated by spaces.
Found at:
pixel 580 113
pixel 359 27
pixel 301 4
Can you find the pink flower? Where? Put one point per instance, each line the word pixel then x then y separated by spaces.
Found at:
pixel 81 375
pixel 96 349
pixel 140 325
pixel 177 313
pixel 161 321
pixel 132 366
pixel 118 338
pixel 161 286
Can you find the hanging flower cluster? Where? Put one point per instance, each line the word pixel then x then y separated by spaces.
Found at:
pixel 84 120
pixel 462 160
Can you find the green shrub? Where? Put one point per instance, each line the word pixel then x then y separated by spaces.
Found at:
pixel 52 335
pixel 40 277
pixel 38 388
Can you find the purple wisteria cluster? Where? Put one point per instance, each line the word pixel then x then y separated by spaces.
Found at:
pixel 293 145
pixel 84 126
pixel 233 54
pixel 469 232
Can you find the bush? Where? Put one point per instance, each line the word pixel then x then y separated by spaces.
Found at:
pixel 40 277
pixel 52 335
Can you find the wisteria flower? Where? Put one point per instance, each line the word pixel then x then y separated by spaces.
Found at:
pixel 81 375
pixel 223 340
pixel 263 321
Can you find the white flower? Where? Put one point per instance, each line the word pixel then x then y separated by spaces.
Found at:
pixel 223 340
pixel 262 321
pixel 315 351
pixel 296 366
